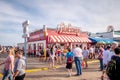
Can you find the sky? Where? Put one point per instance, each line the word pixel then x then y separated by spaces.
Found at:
pixel 89 15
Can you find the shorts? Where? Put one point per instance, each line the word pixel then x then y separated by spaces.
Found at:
pixel 21 77
pixel 69 65
pixel 59 55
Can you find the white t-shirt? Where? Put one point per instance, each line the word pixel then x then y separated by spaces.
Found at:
pixel 91 50
pixel 105 56
pixel 20 65
pixel 85 53
pixel 77 52
pixel 110 55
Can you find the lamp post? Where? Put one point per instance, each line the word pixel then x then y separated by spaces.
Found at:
pixel 25 36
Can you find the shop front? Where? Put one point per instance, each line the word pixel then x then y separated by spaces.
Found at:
pixel 68 35
pixel 36 42
pixel 63 36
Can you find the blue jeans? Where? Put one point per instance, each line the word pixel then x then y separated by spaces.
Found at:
pixel 101 64
pixel 7 74
pixel 78 63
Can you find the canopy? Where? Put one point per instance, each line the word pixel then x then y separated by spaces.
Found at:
pixel 67 38
pixel 106 40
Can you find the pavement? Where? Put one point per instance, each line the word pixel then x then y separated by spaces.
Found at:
pixel 35 67
pixel 46 67
pixel 61 73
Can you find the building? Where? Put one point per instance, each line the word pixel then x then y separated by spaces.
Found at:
pixel 115 35
pixel 64 35
pixel 110 34
pixel 20 46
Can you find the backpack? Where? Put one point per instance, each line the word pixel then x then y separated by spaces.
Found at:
pixel 69 60
pixel 111 69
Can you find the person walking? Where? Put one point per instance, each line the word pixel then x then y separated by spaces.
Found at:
pixel 52 56
pixel 100 57
pixel 114 73
pixel 69 61
pixel 41 54
pixel 114 45
pixel 47 54
pixel 9 65
pixel 105 60
pixel 20 66
pixel 59 55
pixel 65 50
pixel 91 52
pixel 78 57
pixel 85 56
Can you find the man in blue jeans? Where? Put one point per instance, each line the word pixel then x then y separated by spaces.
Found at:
pixel 78 57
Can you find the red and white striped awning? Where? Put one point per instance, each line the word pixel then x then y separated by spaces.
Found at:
pixel 67 38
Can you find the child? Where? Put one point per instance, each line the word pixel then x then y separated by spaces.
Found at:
pixel 69 61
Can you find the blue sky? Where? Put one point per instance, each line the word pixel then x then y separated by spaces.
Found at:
pixel 89 15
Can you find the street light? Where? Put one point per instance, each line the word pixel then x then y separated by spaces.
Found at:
pixel 25 36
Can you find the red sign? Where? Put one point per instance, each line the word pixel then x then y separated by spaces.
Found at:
pixel 36 36
pixel 68 29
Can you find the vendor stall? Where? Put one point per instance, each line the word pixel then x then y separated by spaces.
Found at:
pixel 63 36
pixel 101 40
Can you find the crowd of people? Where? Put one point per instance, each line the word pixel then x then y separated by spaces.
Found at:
pixel 81 56
pixel 14 65
pixel 58 55
pixel 105 57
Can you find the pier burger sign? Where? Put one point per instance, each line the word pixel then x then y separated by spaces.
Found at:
pixel 68 29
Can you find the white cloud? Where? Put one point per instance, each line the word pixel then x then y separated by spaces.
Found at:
pixel 10 38
pixel 90 15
